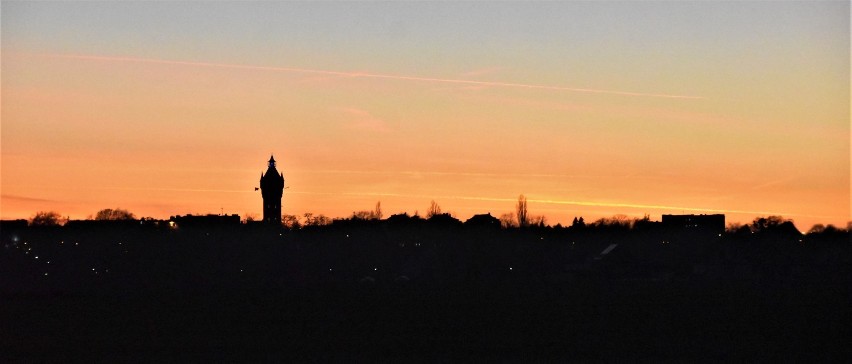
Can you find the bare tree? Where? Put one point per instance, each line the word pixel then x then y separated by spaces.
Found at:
pixel 47 218
pixel 521 211
pixel 507 220
pixel 540 221
pixel 377 213
pixel 616 221
pixel 319 219
pixel 117 214
pixel 290 221
pixel 434 209
pixel 761 224
pixel 362 215
pixel 732 227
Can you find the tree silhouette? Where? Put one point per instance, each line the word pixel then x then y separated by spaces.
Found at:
pixel 507 220
pixel 320 219
pixel 290 221
pixel 117 214
pixel 46 218
pixel 362 215
pixel 619 221
pixel 763 224
pixel 250 217
pixel 521 211
pixel 733 227
pixel 434 209
pixel 818 228
pixel 377 213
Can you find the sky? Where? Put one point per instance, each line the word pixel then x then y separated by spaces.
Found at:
pixel 588 109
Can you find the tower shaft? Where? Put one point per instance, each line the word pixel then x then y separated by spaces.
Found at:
pixel 272 189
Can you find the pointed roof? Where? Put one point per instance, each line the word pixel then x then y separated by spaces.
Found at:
pixel 271 164
pixel 271 171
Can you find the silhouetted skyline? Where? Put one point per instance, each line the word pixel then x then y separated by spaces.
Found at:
pixel 588 109
pixel 465 181
pixel 201 288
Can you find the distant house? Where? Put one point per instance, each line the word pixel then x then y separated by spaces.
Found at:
pixel 102 224
pixel 483 221
pixel 709 224
pixel 206 221
pixel 445 220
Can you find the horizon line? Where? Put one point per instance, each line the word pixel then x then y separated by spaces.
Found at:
pixel 630 205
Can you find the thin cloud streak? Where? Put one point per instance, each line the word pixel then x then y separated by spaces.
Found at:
pixel 474 174
pixel 482 71
pixel 564 202
pixel 363 74
pixel 476 198
pixel 247 190
pixel 25 198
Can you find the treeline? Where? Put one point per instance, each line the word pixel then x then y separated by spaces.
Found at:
pixel 520 218
pixel 394 285
pixel 438 248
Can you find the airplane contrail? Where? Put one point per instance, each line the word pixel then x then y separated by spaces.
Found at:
pixel 468 174
pixel 567 202
pixel 497 199
pixel 363 74
pixel 477 198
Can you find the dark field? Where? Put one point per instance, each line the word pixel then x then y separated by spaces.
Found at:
pixel 182 298
pixel 578 322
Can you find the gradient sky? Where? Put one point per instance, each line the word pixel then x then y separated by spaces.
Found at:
pixel 587 108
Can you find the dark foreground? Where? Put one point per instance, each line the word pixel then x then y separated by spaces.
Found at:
pixel 379 294
pixel 598 321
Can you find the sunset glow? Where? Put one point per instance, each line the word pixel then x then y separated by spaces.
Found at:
pixel 588 109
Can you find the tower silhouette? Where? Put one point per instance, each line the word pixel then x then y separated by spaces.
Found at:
pixel 272 188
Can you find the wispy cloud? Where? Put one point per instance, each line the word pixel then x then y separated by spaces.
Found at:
pixel 566 202
pixel 476 174
pixel 365 75
pixel 358 119
pixel 25 198
pixel 776 182
pixel 482 71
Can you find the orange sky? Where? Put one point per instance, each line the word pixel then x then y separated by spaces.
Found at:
pixel 747 124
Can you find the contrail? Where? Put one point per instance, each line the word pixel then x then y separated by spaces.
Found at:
pixel 363 74
pixel 477 198
pixel 468 174
pixel 566 202
pixel 497 199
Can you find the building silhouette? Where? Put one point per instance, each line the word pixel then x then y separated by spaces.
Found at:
pixel 272 188
pixel 203 221
pixel 712 224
